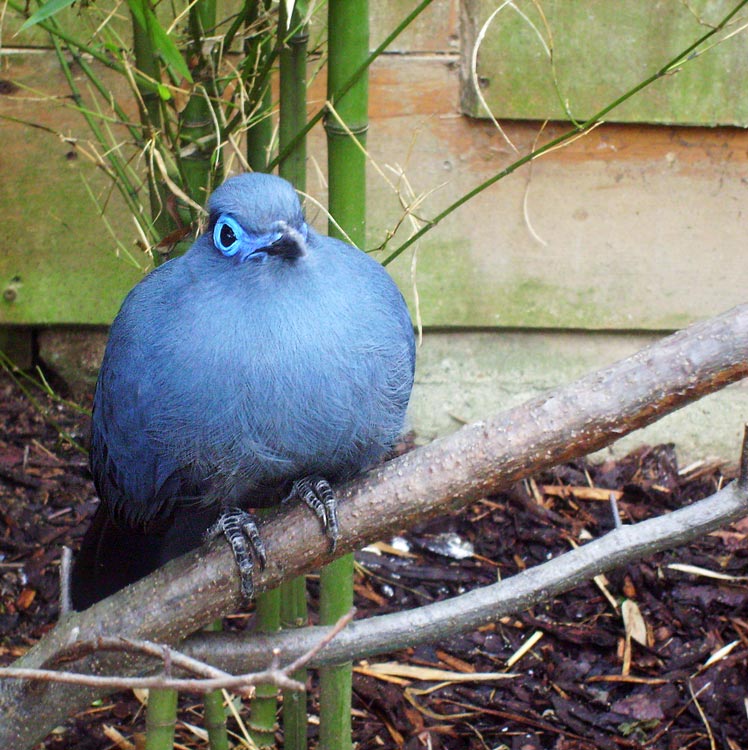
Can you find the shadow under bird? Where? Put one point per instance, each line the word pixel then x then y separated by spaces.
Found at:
pixel 265 363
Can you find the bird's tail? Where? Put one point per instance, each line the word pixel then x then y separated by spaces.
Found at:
pixel 112 557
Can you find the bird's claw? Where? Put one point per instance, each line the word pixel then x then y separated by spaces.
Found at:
pixel 241 531
pixel 316 493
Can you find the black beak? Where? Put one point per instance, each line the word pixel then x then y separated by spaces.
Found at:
pixel 291 244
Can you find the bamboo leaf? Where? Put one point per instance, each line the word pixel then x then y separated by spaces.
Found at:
pixel 289 12
pixel 47 10
pixel 163 92
pixel 430 674
pixel 162 42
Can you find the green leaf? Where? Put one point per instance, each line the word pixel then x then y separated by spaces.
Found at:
pixel 162 42
pixel 289 12
pixel 163 92
pixel 47 10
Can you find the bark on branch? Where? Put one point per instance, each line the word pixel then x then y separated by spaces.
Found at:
pixel 478 459
pixel 235 652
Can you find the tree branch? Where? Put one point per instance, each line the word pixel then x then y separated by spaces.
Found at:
pixel 478 459
pixel 210 678
pixel 235 652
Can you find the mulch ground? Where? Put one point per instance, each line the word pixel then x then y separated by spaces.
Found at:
pixel 582 684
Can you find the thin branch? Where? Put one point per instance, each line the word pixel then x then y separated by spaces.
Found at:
pixel 211 678
pixel 240 684
pixel 324 641
pixel 387 633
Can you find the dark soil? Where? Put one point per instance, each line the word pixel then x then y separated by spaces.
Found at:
pixel 581 686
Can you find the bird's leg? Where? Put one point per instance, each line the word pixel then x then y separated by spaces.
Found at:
pixel 240 530
pixel 316 492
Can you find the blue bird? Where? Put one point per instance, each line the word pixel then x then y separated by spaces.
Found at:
pixel 267 362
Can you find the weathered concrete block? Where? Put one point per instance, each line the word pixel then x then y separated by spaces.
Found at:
pixel 465 376
pixel 75 355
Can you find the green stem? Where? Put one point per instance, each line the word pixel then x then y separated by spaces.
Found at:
pixel 258 51
pixel 265 702
pixel 215 713
pixel 293 60
pixel 294 615
pixel 292 117
pixel 348 48
pixel 348 44
pixel 682 58
pixel 161 719
pixel 336 682
pixel 146 61
pixel 354 77
pixel 198 155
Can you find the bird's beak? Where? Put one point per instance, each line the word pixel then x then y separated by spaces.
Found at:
pixel 290 244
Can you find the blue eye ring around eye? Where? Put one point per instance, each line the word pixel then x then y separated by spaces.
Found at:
pixel 231 248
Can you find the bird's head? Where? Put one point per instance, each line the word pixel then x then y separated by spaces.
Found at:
pixel 256 216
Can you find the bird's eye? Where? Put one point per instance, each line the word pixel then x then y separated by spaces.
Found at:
pixel 226 234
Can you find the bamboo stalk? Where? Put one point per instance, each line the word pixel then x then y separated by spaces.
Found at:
pixel 198 158
pixel 292 118
pixel 258 50
pixel 348 50
pixel 336 682
pixel 205 62
pixel 161 719
pixel 294 615
pixel 293 54
pixel 265 702
pixel 214 712
pixel 257 57
pixel 355 76
pixel 149 104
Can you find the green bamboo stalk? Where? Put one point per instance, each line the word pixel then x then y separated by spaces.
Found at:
pixel 160 719
pixel 257 50
pixel 265 702
pixel 198 159
pixel 354 78
pixel 215 721
pixel 162 704
pixel 348 50
pixel 215 714
pixel 293 61
pixel 150 107
pixel 292 118
pixel 294 615
pixel 257 53
pixel 336 682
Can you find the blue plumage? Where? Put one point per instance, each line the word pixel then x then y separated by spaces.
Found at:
pixel 266 354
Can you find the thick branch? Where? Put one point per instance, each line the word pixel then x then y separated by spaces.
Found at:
pixel 478 459
pixel 234 652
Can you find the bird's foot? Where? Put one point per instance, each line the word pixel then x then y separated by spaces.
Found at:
pixel 316 492
pixel 240 530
